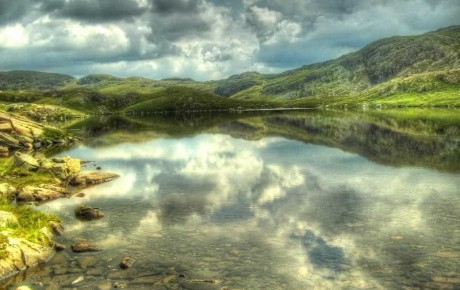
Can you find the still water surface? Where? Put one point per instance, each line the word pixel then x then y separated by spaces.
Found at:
pixel 211 211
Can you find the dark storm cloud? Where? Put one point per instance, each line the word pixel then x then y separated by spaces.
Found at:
pixel 12 10
pixel 180 26
pixel 94 10
pixel 175 6
pixel 203 39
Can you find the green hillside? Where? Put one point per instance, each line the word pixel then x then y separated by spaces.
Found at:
pixel 398 71
pixel 30 80
pixel 356 73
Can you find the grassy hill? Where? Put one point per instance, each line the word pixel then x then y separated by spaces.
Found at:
pixel 30 80
pixel 359 72
pixel 419 70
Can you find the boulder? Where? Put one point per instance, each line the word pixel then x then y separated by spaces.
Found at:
pixel 84 247
pixel 88 213
pixel 92 177
pixel 43 192
pixel 22 254
pixel 7 218
pixel 7 191
pixel 26 161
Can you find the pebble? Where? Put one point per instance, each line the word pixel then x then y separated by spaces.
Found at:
pixel 59 247
pixel 127 262
pixel 78 280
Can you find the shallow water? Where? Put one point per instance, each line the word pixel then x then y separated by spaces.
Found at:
pixel 206 210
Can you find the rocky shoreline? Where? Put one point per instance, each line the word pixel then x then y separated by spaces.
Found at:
pixel 28 177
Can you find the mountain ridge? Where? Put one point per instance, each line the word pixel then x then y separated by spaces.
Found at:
pixel 399 70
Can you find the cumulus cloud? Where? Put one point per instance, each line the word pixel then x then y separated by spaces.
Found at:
pixel 203 39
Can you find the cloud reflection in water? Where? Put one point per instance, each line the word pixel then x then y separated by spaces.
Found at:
pixel 323 217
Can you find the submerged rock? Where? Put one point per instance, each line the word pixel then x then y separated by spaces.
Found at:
pixel 92 177
pixel 42 192
pixel 127 262
pixel 84 247
pixel 88 213
pixel 59 247
pixel 57 227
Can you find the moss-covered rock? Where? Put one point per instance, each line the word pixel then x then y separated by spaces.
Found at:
pixel 92 177
pixel 43 192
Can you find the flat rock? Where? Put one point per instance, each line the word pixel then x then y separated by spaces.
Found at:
pixel 43 192
pixel 25 160
pixel 88 213
pixel 92 177
pixel 84 247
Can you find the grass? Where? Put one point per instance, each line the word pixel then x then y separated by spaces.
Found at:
pixel 30 225
pixel 188 99
pixel 19 177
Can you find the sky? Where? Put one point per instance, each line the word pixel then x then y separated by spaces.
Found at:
pixel 201 39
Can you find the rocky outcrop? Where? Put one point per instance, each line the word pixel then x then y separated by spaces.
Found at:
pixel 92 177
pixel 18 132
pixel 21 254
pixel 62 168
pixel 65 169
pixel 43 192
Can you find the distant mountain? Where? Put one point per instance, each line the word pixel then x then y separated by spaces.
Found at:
pixel 31 80
pixel 351 74
pixel 421 70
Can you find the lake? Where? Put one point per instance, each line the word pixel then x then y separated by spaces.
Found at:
pixel 284 200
